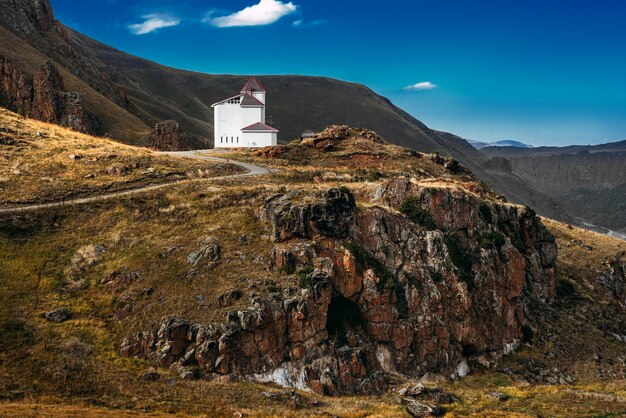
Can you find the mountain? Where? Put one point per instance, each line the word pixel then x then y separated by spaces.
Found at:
pixel 503 143
pixel 128 96
pixel 589 180
pixel 508 152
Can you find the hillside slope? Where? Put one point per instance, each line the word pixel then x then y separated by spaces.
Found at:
pixel 129 95
pixel 589 180
pixel 357 265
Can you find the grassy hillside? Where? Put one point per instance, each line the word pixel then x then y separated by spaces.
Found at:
pixel 58 258
pixel 40 162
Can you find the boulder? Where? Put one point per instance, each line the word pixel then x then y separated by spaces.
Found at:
pixel 299 215
pixel 208 251
pixel 58 315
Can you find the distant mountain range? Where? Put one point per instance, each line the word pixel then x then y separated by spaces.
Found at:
pixel 96 88
pixel 503 143
pixel 590 180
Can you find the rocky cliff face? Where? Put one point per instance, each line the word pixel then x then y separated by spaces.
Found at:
pixel 44 97
pixel 438 288
pixel 170 136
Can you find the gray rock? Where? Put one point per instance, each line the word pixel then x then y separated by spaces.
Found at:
pixel 150 377
pixel 416 409
pixel 499 396
pixel 187 374
pixel 228 298
pixel 58 315
pixel 209 250
pixel 299 215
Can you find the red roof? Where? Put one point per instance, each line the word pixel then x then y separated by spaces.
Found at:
pixel 253 85
pixel 259 127
pixel 249 100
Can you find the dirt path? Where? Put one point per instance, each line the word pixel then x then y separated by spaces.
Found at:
pixel 252 170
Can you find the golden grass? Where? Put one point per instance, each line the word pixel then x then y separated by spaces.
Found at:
pixel 38 168
pixel 40 271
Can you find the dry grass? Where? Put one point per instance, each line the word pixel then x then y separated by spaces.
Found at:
pixel 39 168
pixel 57 257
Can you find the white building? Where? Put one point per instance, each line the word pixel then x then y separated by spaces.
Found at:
pixel 240 120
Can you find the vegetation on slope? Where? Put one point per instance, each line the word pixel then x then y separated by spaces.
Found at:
pixel 59 257
pixel 40 162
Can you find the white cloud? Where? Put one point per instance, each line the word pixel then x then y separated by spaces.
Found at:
pixel 153 22
pixel 302 24
pixel 263 13
pixel 424 85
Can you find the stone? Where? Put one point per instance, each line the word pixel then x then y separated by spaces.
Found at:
pixel 209 251
pixel 121 169
pixel 417 409
pixel 150 376
pixel 228 298
pixel 58 315
pixel 187 374
pixel 499 396
pixel 327 213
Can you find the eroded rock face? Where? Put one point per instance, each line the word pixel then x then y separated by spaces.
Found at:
pixel 170 136
pixel 384 294
pixel 327 213
pixel 44 97
pixel 613 279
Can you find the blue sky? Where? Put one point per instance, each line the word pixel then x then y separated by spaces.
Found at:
pixel 540 71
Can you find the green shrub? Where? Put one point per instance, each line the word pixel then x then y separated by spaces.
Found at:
pixel 364 259
pixel 530 212
pixel 287 269
pixel 492 240
pixel 412 209
pixel 565 289
pixel 303 277
pixel 485 213
pixel 436 276
pixel 462 259
pixel 273 289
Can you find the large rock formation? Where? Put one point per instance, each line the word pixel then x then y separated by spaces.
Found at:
pixel 43 97
pixel 170 136
pixel 379 293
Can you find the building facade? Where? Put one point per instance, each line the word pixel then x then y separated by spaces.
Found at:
pixel 240 120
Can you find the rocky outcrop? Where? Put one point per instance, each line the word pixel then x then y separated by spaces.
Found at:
pixel 613 279
pixel 327 213
pixel 44 97
pixel 170 136
pixel 379 293
pixel 16 90
pixel 51 103
pixel 208 252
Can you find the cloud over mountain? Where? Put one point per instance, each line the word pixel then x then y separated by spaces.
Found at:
pixel 264 13
pixel 424 85
pixel 153 22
